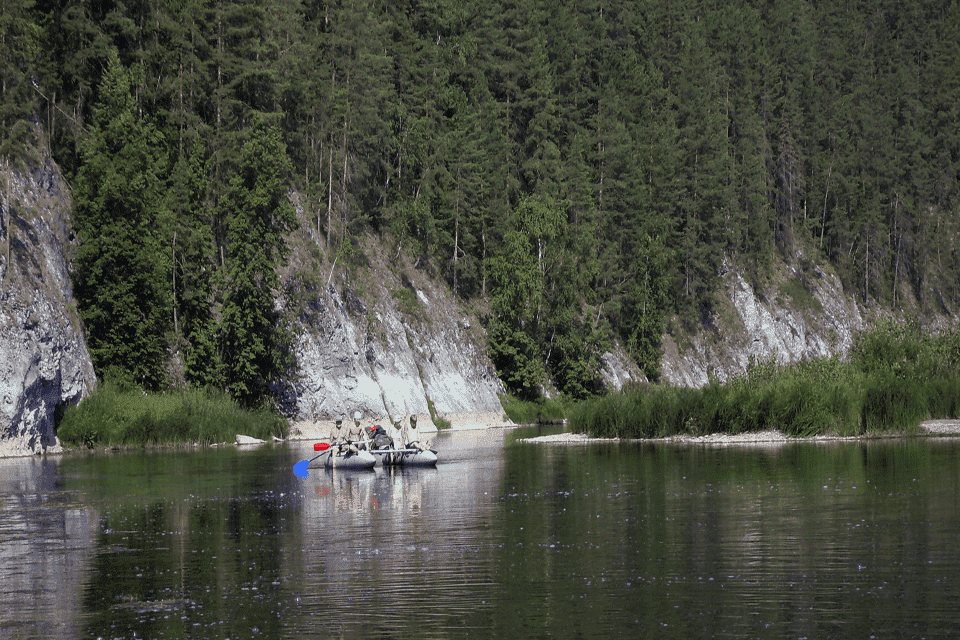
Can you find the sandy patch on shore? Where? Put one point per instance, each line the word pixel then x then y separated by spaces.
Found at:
pixel 320 429
pixel 465 421
pixel 17 448
pixel 943 427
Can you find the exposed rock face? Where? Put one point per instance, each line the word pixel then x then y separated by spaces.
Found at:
pixel 43 357
pixel 619 370
pixel 764 327
pixel 385 358
pixel 398 348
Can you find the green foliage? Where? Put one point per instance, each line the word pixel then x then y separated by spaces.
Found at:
pixel 801 298
pixel 120 413
pixel 893 381
pixel 893 403
pixel 517 358
pixel 20 55
pixel 407 302
pixel 538 325
pixel 254 345
pixel 539 411
pixel 900 350
pixel 120 266
pixel 439 422
pixel 638 312
pixel 690 138
pixel 192 249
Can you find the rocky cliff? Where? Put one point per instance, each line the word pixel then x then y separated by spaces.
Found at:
pixel 799 313
pixel 44 360
pixel 385 340
pixel 382 338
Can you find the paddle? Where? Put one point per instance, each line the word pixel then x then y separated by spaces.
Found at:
pixel 301 467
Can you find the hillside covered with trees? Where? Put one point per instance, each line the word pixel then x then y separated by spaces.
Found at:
pixel 588 169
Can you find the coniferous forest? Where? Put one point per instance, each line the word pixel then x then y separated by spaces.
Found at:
pixel 587 168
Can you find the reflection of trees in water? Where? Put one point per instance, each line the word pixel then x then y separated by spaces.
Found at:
pixel 46 544
pixel 209 561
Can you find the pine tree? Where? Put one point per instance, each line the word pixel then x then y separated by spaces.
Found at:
pixel 254 345
pixel 121 268
pixel 192 251
pixel 19 64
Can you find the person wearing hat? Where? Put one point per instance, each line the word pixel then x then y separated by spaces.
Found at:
pixel 340 436
pixel 362 436
pixel 396 433
pixel 412 436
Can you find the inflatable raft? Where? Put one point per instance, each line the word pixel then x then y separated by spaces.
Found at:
pixel 407 457
pixel 349 460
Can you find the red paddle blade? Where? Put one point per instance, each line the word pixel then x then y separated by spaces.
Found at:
pixel 321 446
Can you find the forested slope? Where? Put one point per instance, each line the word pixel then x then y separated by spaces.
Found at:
pixel 589 169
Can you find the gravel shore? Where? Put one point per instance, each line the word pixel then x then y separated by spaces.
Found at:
pixel 931 427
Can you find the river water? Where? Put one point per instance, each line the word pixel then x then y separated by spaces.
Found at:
pixel 501 539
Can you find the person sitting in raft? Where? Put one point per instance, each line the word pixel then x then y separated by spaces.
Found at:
pixel 395 432
pixel 340 437
pixel 380 439
pixel 361 436
pixel 412 437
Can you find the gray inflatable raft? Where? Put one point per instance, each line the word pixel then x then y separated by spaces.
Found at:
pixel 347 460
pixel 407 457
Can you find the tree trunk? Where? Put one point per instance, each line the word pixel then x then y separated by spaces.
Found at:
pixel 176 325
pixel 8 214
pixel 456 239
pixel 329 192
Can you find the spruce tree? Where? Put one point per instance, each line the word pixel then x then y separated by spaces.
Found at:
pixel 254 344
pixel 19 58
pixel 121 269
pixel 192 250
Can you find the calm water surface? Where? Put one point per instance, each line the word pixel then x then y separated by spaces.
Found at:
pixel 505 539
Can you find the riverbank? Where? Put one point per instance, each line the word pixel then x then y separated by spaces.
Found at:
pixel 119 414
pixel 303 430
pixel 942 428
pixel 894 378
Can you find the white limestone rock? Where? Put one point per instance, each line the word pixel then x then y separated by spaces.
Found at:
pixel 44 362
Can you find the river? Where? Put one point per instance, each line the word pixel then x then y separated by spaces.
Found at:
pixel 502 539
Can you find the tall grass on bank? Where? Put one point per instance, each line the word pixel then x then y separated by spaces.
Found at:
pixel 118 414
pixel 894 379
pixel 541 411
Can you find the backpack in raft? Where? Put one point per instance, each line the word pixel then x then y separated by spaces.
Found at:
pixel 380 438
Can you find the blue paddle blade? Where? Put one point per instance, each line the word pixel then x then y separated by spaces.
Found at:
pixel 301 468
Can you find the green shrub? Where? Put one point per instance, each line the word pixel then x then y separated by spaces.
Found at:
pixel 120 414
pixel 539 411
pixel 895 379
pixel 439 423
pixel 943 397
pixel 891 403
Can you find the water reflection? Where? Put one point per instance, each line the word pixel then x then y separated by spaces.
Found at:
pixel 401 552
pixel 502 538
pixel 796 541
pixel 46 539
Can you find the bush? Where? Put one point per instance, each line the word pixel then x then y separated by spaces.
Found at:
pixel 943 397
pixel 121 414
pixel 539 411
pixel 894 380
pixel 892 403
